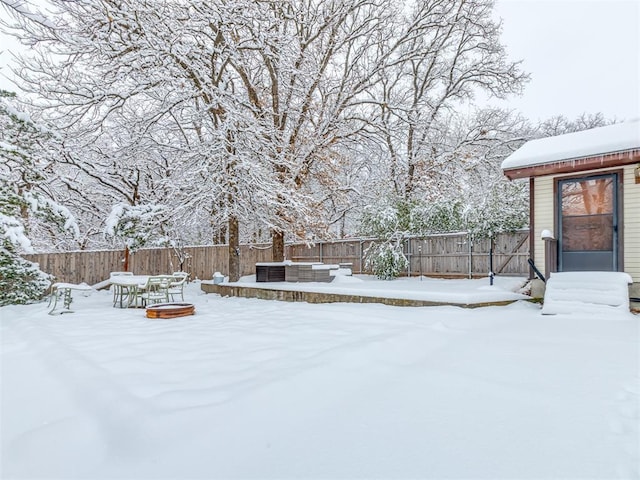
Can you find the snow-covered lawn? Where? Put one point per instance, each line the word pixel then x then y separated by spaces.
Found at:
pixel 264 389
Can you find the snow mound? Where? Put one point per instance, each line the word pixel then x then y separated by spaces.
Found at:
pixel 248 279
pixel 580 292
pixel 346 279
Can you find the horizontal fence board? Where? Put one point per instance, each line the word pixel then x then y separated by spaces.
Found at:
pixel 446 255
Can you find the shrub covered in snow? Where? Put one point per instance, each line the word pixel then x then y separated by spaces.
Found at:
pixel 21 281
pixel 24 198
pixel 390 224
pixel 386 260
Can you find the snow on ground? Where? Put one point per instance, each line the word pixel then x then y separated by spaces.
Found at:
pixel 249 388
pixel 459 291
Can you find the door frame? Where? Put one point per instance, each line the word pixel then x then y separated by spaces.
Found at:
pixel 618 246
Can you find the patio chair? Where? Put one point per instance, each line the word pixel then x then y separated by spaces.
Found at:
pixel 120 292
pixel 155 290
pixel 62 292
pixel 181 274
pixel 176 287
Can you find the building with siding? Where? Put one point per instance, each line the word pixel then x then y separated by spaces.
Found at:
pixel 585 198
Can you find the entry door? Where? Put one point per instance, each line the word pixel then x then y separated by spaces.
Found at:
pixel 588 224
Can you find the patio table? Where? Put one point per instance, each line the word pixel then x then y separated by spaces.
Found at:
pixel 126 289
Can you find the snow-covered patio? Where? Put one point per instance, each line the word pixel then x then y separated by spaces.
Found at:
pixel 264 389
pixel 419 290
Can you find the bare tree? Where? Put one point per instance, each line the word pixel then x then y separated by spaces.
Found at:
pixel 135 83
pixel 445 52
pixel 278 115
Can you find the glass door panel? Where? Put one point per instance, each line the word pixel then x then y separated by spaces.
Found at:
pixel 588 223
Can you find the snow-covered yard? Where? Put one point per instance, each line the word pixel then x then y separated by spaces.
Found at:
pixel 265 389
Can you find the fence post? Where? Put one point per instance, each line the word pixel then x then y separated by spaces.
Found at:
pixel 491 274
pixel 408 243
pixel 469 241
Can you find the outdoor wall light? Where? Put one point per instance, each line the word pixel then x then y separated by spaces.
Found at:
pixel 637 174
pixel 546 235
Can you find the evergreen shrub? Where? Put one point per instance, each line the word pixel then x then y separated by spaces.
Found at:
pixel 21 281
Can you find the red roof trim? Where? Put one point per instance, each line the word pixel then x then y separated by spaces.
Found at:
pixel 575 165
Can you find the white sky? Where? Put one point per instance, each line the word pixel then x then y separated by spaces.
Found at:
pixel 583 56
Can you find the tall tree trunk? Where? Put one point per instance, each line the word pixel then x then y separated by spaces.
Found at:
pixel 220 235
pixel 125 266
pixel 234 249
pixel 219 230
pixel 277 246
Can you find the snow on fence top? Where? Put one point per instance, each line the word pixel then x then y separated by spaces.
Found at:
pixel 615 138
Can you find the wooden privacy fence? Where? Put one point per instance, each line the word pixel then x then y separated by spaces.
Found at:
pixel 452 255
pixel 93 267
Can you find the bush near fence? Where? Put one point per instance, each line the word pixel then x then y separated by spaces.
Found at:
pixel 451 255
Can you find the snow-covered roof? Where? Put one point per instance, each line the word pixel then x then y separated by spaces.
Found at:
pixel 615 138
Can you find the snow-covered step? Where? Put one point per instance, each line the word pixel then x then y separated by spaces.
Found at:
pixel 601 292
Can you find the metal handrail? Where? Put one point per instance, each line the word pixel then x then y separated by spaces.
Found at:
pixel 535 269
